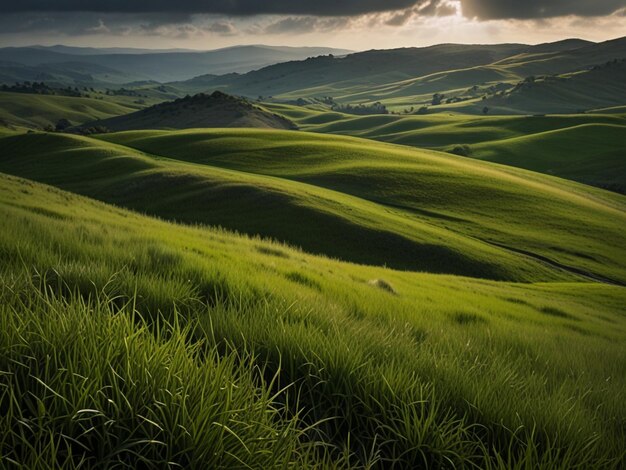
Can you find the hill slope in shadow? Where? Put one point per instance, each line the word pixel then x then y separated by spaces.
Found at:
pixel 215 110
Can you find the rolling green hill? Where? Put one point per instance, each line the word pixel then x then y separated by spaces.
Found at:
pixel 441 288
pixel 208 348
pixel 62 74
pixel 404 78
pixel 507 90
pixel 399 78
pixel 367 68
pixel 589 153
pixel 582 147
pixel 40 111
pixel 344 197
pixel 564 61
pixel 215 110
pixel 436 130
pixel 600 87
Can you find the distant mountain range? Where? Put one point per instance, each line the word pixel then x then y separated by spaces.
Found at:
pixel 105 50
pixel 475 79
pixel 365 71
pixel 467 78
pixel 63 63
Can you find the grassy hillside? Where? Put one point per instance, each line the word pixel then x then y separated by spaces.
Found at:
pixel 132 341
pixel 315 218
pixel 399 78
pixel 409 77
pixel 365 68
pixel 348 198
pixel 265 298
pixel 487 203
pixel 583 147
pixel 215 110
pixel 600 87
pixel 39 111
pixel 589 153
pixel 505 89
pixel 61 74
pixel 563 61
pixel 436 130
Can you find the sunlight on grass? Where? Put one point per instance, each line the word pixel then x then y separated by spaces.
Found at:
pixel 136 341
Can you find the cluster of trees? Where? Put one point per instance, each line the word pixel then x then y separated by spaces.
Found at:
pixel 437 98
pixel 527 83
pixel 125 92
pixel 320 57
pixel 92 130
pixel 64 125
pixel 457 99
pixel 329 100
pixel 492 90
pixel 361 109
pixel 379 108
pixel 40 88
pixel 199 99
pixel 610 63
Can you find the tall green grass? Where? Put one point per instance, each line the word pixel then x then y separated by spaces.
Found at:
pixel 89 383
pixel 203 348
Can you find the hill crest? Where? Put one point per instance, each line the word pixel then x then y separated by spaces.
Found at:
pixel 201 110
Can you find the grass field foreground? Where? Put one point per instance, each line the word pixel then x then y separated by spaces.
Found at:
pixel 117 328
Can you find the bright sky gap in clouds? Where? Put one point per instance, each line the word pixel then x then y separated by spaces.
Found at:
pixel 352 24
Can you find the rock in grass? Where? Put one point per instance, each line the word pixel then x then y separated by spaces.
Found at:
pixel 382 284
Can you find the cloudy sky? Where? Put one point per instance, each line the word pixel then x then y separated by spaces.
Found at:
pixel 352 24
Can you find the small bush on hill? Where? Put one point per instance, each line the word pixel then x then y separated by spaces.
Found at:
pixel 462 150
pixel 62 124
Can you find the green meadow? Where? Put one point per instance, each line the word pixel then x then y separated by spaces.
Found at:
pixel 262 281
pixel 581 147
pixel 207 348
pixel 28 111
pixel 310 329
pixel 347 198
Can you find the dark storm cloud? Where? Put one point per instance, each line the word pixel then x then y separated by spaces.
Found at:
pixel 481 9
pixel 183 17
pixel 180 18
pixel 306 24
pixel 228 7
pixel 87 23
pixel 537 9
